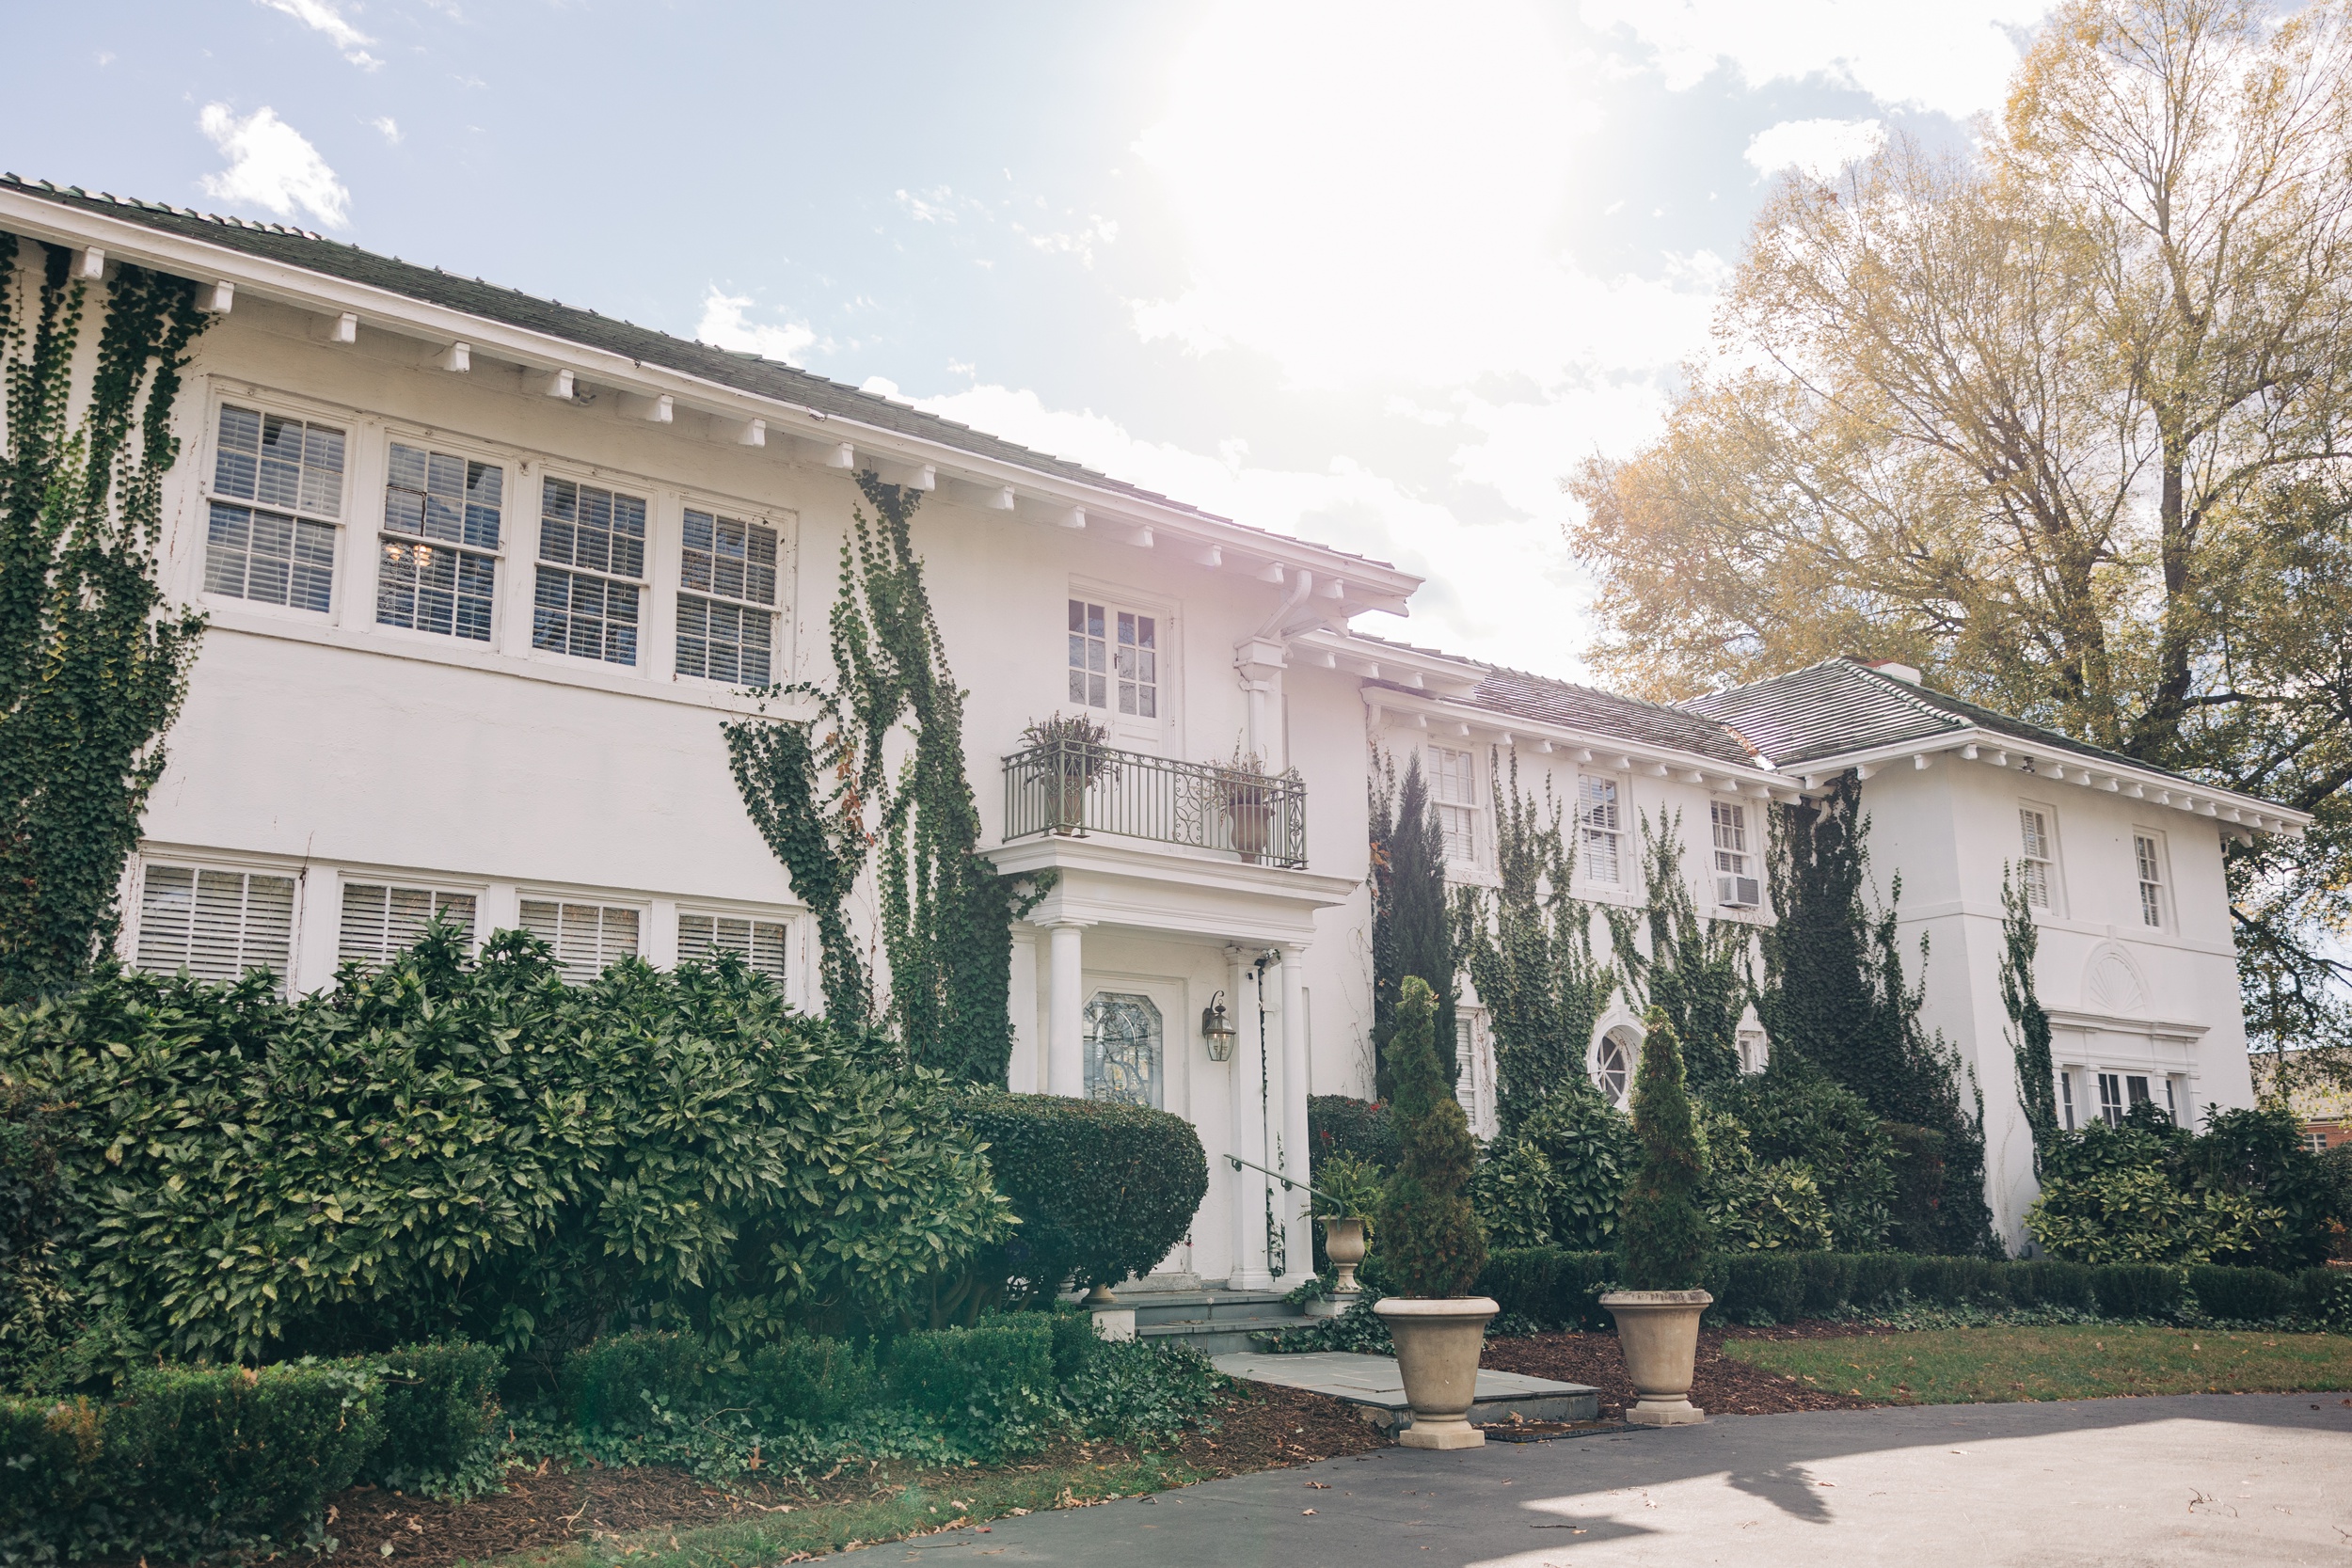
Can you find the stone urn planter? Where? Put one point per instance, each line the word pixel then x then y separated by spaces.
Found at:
pixel 1343 1243
pixel 1437 1342
pixel 1658 1331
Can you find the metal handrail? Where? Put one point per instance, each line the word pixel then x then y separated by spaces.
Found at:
pixel 1289 1183
pixel 1075 787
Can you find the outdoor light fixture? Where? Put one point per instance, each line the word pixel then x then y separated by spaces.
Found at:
pixel 1218 1029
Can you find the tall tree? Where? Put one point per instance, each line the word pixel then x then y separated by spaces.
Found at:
pixel 1410 934
pixel 93 664
pixel 2064 421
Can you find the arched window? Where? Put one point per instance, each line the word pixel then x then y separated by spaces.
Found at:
pixel 1123 1049
pixel 1612 1066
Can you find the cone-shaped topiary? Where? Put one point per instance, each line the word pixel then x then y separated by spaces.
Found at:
pixel 1662 1233
pixel 1430 1243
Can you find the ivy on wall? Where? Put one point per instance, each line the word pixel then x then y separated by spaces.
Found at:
pixel 832 793
pixel 93 665
pixel 2028 1024
pixel 1410 934
pixel 1695 971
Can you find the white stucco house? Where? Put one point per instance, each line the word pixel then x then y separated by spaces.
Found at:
pixel 485 573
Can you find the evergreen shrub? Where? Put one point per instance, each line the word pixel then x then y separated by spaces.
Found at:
pixel 608 1385
pixel 1828 1281
pixel 1101 1189
pixel 1880 1279
pixel 810 1379
pixel 2241 1296
pixel 1549 1285
pixel 439 1405
pixel 2324 1296
pixel 2136 1291
pixel 1430 1242
pixel 1338 1126
pixel 2050 1282
pixel 52 1478
pixel 988 1384
pixel 1757 1287
pixel 1662 1233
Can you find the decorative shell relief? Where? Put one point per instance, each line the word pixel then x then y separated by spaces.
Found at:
pixel 2112 982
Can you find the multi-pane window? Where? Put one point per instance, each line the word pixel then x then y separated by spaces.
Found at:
pixel 589 610
pixel 2111 1098
pixel 2066 1097
pixel 2037 855
pixel 1612 1069
pixel 380 920
pixel 1752 1051
pixel 1600 829
pixel 2150 861
pixel 1730 821
pixel 442 517
pixel 216 925
pixel 586 936
pixel 1114 660
pixel 1453 783
pixel 725 623
pixel 277 485
pixel 759 943
pixel 1465 1067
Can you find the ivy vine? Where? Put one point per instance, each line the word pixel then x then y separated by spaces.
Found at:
pixel 2028 1024
pixel 93 665
pixel 1695 971
pixel 833 793
pixel 1411 935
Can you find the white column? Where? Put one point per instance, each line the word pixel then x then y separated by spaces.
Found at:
pixel 1249 1141
pixel 1294 1162
pixel 1065 1021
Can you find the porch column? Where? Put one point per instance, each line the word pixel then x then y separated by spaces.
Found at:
pixel 1065 1011
pixel 1296 1162
pixel 1248 1135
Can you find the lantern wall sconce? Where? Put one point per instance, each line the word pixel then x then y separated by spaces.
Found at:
pixel 1218 1029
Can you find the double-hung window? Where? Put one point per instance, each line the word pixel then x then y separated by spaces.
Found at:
pixel 726 610
pixel 2111 1099
pixel 2149 855
pixel 216 925
pixel 380 920
pixel 442 517
pixel 2037 855
pixel 1114 660
pixel 760 944
pixel 2066 1097
pixel 1736 884
pixel 1453 783
pixel 586 936
pixel 1600 829
pixel 276 496
pixel 592 568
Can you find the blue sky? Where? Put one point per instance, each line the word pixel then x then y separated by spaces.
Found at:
pixel 1377 275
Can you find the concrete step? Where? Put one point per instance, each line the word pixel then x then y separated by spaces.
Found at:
pixel 1171 1306
pixel 1215 1336
pixel 1374 1386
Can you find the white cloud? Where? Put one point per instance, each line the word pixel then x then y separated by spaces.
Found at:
pixel 319 16
pixel 726 323
pixel 390 127
pixel 271 165
pixel 1954 57
pixel 1817 149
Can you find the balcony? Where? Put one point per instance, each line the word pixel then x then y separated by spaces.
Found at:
pixel 1073 789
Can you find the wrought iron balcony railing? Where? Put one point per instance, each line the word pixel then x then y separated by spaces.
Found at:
pixel 1073 788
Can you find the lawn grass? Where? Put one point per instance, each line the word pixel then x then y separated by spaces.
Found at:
pixel 927 1504
pixel 1969 1366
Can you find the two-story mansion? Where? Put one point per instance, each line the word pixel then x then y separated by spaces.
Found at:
pixel 484 573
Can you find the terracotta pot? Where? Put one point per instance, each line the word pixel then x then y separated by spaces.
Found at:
pixel 1658 1331
pixel 1343 1243
pixel 1437 1350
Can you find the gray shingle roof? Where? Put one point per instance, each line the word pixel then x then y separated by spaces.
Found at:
pixel 745 372
pixel 1598 712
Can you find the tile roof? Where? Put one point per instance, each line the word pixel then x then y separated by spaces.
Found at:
pixel 744 373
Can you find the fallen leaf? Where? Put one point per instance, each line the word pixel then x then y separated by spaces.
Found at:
pixel 1305 1511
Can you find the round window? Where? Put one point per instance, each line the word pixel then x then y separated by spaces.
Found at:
pixel 1612 1069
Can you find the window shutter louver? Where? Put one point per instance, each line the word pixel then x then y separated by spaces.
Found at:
pixel 216 925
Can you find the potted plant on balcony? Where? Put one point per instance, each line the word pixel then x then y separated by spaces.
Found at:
pixel 1249 793
pixel 1661 1239
pixel 1430 1248
pixel 1072 757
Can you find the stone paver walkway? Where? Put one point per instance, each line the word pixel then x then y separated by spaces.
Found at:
pixel 2197 1480
pixel 1375 1382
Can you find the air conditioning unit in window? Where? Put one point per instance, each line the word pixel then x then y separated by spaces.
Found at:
pixel 1738 892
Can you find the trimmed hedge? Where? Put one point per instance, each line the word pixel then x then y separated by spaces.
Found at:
pixel 607 1385
pixel 1103 1189
pixel 52 1474
pixel 440 1408
pixel 1553 1286
pixel 988 1382
pixel 1338 1124
pixel 814 1380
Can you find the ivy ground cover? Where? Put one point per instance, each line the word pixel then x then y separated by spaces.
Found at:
pixel 2073 1361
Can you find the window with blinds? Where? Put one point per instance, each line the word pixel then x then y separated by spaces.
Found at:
pixel 725 622
pixel 275 493
pixel 1599 829
pixel 379 919
pixel 2037 855
pixel 442 515
pixel 591 555
pixel 2148 854
pixel 759 943
pixel 216 925
pixel 586 936
pixel 1454 784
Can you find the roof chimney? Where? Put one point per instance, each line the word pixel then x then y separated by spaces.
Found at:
pixel 1909 673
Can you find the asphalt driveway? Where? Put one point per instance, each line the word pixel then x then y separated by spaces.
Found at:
pixel 2196 1479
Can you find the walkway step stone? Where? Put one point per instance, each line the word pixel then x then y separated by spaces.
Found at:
pixel 1375 1386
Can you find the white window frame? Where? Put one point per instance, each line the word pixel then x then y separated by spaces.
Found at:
pixel 669 561
pixel 135 903
pixel 2153 871
pixel 783 920
pixel 652 498
pixel 600 902
pixel 515 468
pixel 1620 883
pixel 2052 880
pixel 1458 820
pixel 1754 1053
pixel 2112 1106
pixel 1723 861
pixel 355 435
pixel 2066 1099
pixel 1123 726
pixel 433 888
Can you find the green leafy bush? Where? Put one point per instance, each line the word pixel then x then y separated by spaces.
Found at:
pixel 442 1147
pixel 2244 1192
pixel 1828 1282
pixel 1511 1192
pixel 53 1479
pixel 1103 1189
pixel 1549 1285
pixel 1753 1207
pixel 2141 1216
pixel 1662 1231
pixel 440 1408
pixel 990 1384
pixel 1338 1127
pixel 225 1456
pixel 1143 1391
pixel 1793 1115
pixel 33 1198
pixel 608 1385
pixel 2324 1296
pixel 2051 1282
pixel 1430 1243
pixel 1757 1287
pixel 1879 1278
pixel 2136 1291
pixel 2242 1296
pixel 1558 1181
pixel 814 1380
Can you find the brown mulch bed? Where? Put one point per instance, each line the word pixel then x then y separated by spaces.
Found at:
pixel 1260 1428
pixel 1721 1386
